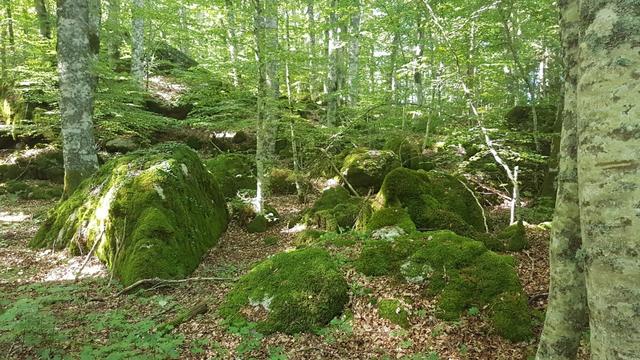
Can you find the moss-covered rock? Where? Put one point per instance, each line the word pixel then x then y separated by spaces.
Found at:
pixel 41 163
pixel 154 213
pixel 283 181
pixel 394 311
pixel 365 169
pixel 460 272
pixel 335 210
pixel 434 200
pixel 291 292
pixel 32 189
pixel 514 237
pixel 233 172
pixel 392 216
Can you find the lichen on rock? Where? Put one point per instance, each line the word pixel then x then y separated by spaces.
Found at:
pixel 149 217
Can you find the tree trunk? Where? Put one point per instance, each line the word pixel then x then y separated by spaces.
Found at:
pixel 393 80
pixel 232 41
pixel 76 46
pixel 112 26
pixel 266 33
pixel 43 18
pixel 137 41
pixel 418 73
pixel 609 173
pixel 332 73
pixel 311 49
pixel 353 80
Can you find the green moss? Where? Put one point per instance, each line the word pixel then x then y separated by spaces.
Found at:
pixel 514 237
pixel 308 237
pixel 391 216
pixel 460 272
pixel 32 190
pixel 426 195
pixel 335 210
pixel 271 240
pixel 510 317
pixel 292 292
pixel 233 172
pixel 365 169
pixel 155 213
pixel 259 224
pixel 41 163
pixel 394 311
pixel 283 182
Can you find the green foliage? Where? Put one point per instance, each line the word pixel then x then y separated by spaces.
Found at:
pixel 290 292
pixel 31 190
pixel 233 172
pixel 394 311
pixel 155 213
pixel 283 181
pixel 271 240
pixel 338 328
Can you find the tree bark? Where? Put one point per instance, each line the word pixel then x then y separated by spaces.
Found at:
pixel 353 80
pixel 43 18
pixel 567 310
pixel 332 73
pixel 137 42
pixel 76 48
pixel 266 33
pixel 609 173
pixel 232 41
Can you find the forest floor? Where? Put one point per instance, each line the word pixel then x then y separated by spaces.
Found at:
pixel 88 319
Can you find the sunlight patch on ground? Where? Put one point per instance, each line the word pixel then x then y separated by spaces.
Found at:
pixel 294 230
pixel 7 217
pixel 69 271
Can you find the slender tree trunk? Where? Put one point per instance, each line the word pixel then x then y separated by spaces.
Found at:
pixel 113 30
pixel 353 79
pixel 266 33
pixel 311 48
pixel 75 62
pixel 471 66
pixel 137 41
pixel 43 18
pixel 609 173
pixel 232 41
pixel 393 79
pixel 418 72
pixel 333 57
pixel 3 52
pixel 11 57
pixel 287 75
pixel 184 29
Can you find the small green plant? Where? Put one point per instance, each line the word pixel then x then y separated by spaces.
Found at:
pixel 251 339
pixel 277 353
pixel 473 311
pixel 271 240
pixel 339 327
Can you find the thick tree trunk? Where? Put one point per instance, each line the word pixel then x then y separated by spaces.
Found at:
pixel 76 46
pixel 114 40
pixel 567 310
pixel 137 41
pixel 266 33
pixel 43 18
pixel 609 173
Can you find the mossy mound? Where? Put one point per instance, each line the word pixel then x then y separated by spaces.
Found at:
pixel 514 237
pixel 41 163
pixel 460 272
pixel 365 169
pixel 32 190
pixel 434 200
pixel 391 216
pixel 283 181
pixel 335 210
pixel 408 151
pixel 291 292
pixel 394 311
pixel 233 172
pixel 155 213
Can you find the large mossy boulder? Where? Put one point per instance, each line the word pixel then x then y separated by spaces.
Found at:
pixel 291 292
pixel 40 163
pixel 434 200
pixel 460 272
pixel 154 213
pixel 335 210
pixel 365 169
pixel 233 172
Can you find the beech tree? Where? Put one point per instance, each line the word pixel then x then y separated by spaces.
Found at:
pixel 77 46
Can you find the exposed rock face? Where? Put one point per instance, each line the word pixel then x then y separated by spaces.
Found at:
pixel 153 213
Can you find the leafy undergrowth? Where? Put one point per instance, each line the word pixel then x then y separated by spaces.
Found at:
pixel 43 316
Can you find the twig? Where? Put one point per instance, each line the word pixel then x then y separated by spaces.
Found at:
pixel 157 282
pixel 537 297
pixel 484 216
pixel 335 168
pixel 93 249
pixel 198 309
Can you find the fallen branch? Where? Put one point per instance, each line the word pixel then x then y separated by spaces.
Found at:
pixel 537 297
pixel 157 282
pixel 198 309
